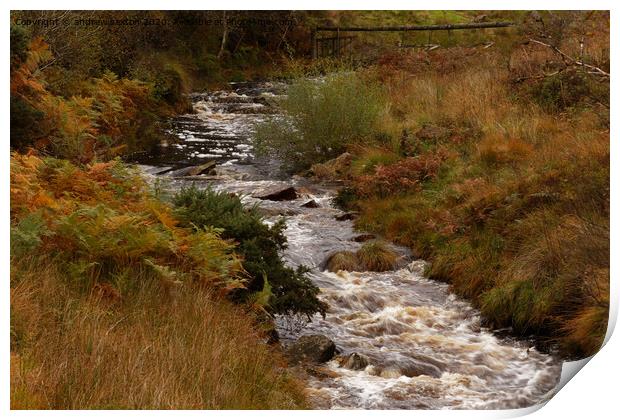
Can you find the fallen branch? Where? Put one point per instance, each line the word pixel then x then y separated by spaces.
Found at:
pixel 538 77
pixel 595 70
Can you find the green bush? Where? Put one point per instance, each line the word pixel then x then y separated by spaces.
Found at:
pixel 320 119
pixel 258 244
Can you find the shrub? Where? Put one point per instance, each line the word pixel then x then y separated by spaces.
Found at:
pixel 406 174
pixel 568 89
pixel 320 118
pixel 105 117
pixel 25 123
pixel 345 198
pixel 258 244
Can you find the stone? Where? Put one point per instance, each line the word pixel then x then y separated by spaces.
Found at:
pixel 311 348
pixel 346 216
pixel 364 237
pixel 334 168
pixel 206 168
pixel 420 368
pixel 312 204
pixel 278 194
pixel 354 361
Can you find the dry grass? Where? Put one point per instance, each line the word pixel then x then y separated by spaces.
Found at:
pixel 152 350
pixel 343 260
pixel 377 256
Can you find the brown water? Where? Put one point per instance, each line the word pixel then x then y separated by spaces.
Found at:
pixel 426 347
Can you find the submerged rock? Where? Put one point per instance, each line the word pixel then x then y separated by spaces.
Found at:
pixel 418 368
pixel 311 348
pixel 278 194
pixel 353 361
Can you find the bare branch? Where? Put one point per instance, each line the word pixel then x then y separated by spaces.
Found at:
pixel 574 61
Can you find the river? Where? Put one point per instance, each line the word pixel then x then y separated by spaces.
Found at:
pixel 427 348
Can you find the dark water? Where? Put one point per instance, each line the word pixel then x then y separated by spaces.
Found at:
pixel 426 347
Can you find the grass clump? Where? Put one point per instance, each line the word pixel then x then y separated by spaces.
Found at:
pixel 343 260
pixel 257 243
pixel 374 255
pixel 320 118
pixel 377 256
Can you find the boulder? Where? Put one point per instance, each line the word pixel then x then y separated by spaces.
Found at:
pixel 206 168
pixel 333 169
pixel 342 260
pixel 343 162
pixel 418 368
pixel 311 348
pixel 354 361
pixel 312 204
pixel 278 194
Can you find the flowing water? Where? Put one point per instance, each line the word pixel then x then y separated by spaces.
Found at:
pixel 426 347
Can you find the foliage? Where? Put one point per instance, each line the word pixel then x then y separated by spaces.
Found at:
pixel 321 118
pixel 258 244
pixel 406 174
pixel 567 89
pixel 102 226
pixel 108 116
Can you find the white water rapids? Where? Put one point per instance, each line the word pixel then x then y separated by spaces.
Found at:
pixel 426 347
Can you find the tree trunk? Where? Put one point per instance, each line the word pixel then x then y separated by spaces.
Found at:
pixel 224 36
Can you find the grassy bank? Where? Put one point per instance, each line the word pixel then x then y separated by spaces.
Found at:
pixel 491 163
pixel 148 350
pixel 115 305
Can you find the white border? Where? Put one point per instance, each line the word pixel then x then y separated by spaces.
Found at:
pixel 593 393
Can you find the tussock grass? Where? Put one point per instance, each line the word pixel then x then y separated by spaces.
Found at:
pixel 343 260
pixel 376 255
